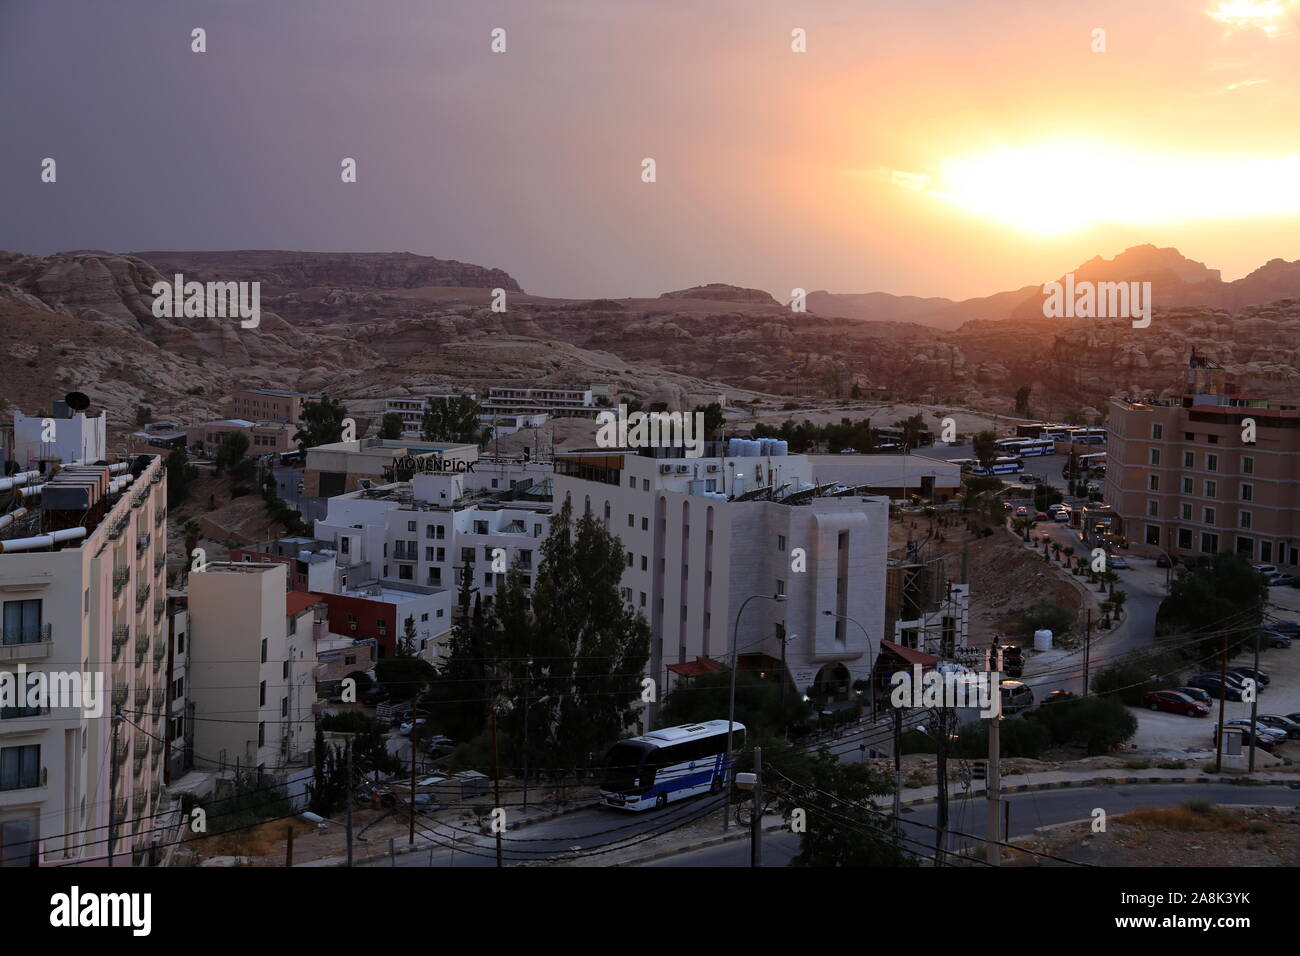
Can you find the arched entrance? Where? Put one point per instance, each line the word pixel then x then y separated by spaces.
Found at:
pixel 832 684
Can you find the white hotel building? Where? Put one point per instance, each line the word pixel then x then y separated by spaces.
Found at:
pixel 82 585
pixel 703 535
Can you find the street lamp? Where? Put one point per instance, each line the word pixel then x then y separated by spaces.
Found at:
pixel 871 676
pixel 731 705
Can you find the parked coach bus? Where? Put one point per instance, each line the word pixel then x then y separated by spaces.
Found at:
pixel 1007 465
pixel 667 765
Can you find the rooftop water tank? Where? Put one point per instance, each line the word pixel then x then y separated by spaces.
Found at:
pixel 1043 640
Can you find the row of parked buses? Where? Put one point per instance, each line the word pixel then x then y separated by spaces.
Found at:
pixel 1002 465
pixel 1071 433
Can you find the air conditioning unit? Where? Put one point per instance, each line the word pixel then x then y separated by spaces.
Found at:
pixel 683 469
pixel 665 469
pixel 365 484
pixel 711 468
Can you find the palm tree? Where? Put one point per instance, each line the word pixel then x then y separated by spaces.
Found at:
pixel 1056 550
pixel 1119 598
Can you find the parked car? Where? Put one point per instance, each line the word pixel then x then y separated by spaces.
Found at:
pixel 1286 627
pixel 1016 696
pixel 1061 517
pixel 374 694
pixel 1217 689
pixel 1163 561
pixel 1116 561
pixel 1260 678
pixel 1265 569
pixel 1291 727
pixel 424 802
pixel 1280 580
pixel 1058 695
pixel 1264 737
pixel 1040 516
pixel 1175 703
pixel 1195 693
pixel 410 724
pixel 1272 638
pixel 1022 512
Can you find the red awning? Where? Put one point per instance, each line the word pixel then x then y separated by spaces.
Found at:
pixel 701 665
pixel 909 655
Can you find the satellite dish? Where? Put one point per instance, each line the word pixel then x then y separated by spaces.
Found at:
pixel 77 401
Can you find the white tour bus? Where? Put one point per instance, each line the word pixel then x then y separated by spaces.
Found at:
pixel 669 764
pixel 1088 436
pixel 1007 465
pixel 1027 447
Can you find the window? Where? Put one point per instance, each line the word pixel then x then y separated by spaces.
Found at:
pixel 631 520
pixel 1155 456
pixel 405 572
pixel 262 694
pixel 1185 539
pixel 643 599
pixel 410 526
pixel 8 713
pixel 1189 459
pixel 1247 465
pixel 22 622
pixel 264 644
pixel 1157 431
pixel 1246 547
pixel 1211 462
pixel 1212 439
pixel 1188 486
pixel 1209 516
pixel 645 524
pixel 631 481
pixel 1247 492
pixel 1189 436
pixel 644 563
pixel 780 542
pixel 429 554
pixel 780 586
pixel 1153 534
pixel 1211 489
pixel 261 735
pixel 480 527
pixel 1245 519
pixel 1187 512
pixel 20 767
pixel 284 670
pixel 424 616
pixel 344 544
pixel 645 484
pixel 1266 550
pixel 630 558
pixel 1153 482
pixel 487 580
pixel 467 555
pixel 1153 508
pixel 1209 543
pixel 180 643
pixel 284 706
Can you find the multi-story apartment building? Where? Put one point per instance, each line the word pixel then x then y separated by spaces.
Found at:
pixel 555 400
pixel 268 404
pixel 705 535
pixel 1185 478
pixel 339 468
pixel 82 584
pixel 425 534
pixel 252 660
pixel 264 437
pixel 311 565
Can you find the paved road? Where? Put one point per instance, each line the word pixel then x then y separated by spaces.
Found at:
pixel 286 480
pixel 1028 811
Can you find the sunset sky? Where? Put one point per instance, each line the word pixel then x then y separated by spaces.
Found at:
pixel 927 147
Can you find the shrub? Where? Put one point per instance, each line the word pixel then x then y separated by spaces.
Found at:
pixel 1097 723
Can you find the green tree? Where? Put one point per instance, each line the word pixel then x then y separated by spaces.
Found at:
pixel 1098 724
pixel 179 475
pixel 1224 594
pixel 322 423
pixel 231 451
pixel 391 425
pixel 985 447
pixel 843 826
pixel 914 431
pixel 758 703
pixel 404 677
pixel 1022 400
pixel 713 420
pixel 452 420
pixel 595 645
pixel 143 415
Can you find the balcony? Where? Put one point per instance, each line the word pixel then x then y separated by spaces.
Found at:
pixel 141 694
pixel 158 608
pixel 142 642
pixel 138 802
pixel 157 746
pixel 119 809
pixel 119 693
pixel 141 544
pixel 159 560
pixel 159 517
pixel 119 752
pixel 142 596
pixel 159 650
pixel 120 577
pixel 27 644
pixel 118 527
pixel 159 696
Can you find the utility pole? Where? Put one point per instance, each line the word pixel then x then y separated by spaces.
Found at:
pixel 941 739
pixel 410 839
pixel 112 787
pixel 1254 706
pixel 898 767
pixel 993 786
pixel 1087 650
pixel 756 825
pixel 1223 698
pixel 496 780
pixel 288 849
pixel 349 823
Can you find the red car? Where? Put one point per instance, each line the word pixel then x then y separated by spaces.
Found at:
pixel 1039 516
pixel 1175 703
